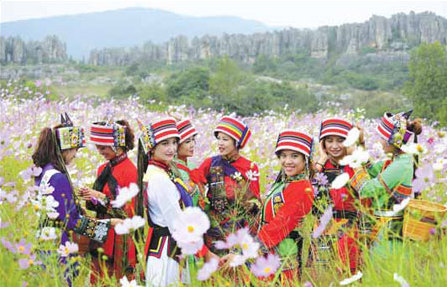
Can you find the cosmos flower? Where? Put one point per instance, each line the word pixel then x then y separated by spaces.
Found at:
pixel 125 195
pixel 266 266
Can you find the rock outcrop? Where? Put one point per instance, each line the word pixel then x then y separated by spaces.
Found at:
pixel 378 34
pixel 49 50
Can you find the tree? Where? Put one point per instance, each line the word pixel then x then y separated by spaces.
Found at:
pixel 427 85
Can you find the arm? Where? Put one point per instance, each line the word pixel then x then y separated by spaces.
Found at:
pixel 297 206
pixel 379 188
pixel 68 212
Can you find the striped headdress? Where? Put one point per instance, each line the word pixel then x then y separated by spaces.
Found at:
pixel 186 130
pixel 393 128
pixel 334 127
pixel 294 140
pixel 68 135
pixel 235 129
pixel 157 132
pixel 108 134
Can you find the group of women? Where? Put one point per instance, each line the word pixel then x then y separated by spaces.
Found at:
pixel 225 186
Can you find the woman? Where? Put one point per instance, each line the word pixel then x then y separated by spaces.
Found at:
pixel 232 180
pixel 333 133
pixel 57 148
pixel 290 199
pixel 389 182
pixel 186 147
pixel 113 141
pixel 166 196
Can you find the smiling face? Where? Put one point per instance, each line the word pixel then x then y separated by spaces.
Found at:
pixel 186 148
pixel 165 150
pixel 106 151
pixel 334 147
pixel 226 145
pixel 292 162
pixel 69 155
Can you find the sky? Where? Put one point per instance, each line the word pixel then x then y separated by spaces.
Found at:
pixel 284 13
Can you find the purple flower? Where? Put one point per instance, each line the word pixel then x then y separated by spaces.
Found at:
pixel 38 83
pixel 425 177
pixel 307 284
pixel 321 179
pixel 324 220
pixel 23 247
pixel 8 245
pixel 24 263
pixel 266 266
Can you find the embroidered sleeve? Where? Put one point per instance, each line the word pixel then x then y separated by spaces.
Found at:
pixel 92 228
pixel 379 188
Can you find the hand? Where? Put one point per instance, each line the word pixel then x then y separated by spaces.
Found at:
pixel 210 255
pixel 226 260
pixel 115 221
pixel 87 193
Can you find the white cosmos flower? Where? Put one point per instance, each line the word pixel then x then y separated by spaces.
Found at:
pixel 126 283
pixel 130 225
pixel 340 181
pixel 125 195
pixel 190 248
pixel 352 137
pixel 414 148
pixel 68 248
pixel 352 279
pixel 47 233
pixel 190 226
pixel 46 189
pixel 252 175
pixel 356 159
pixel 207 269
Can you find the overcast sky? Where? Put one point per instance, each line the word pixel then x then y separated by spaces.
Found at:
pixel 294 13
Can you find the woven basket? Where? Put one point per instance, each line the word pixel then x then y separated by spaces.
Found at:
pixel 420 217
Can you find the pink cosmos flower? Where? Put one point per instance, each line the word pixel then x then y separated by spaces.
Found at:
pixel 266 266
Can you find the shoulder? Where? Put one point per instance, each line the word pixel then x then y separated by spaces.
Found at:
pixel 302 184
pixel 246 163
pixel 101 167
pixel 154 173
pixel 59 179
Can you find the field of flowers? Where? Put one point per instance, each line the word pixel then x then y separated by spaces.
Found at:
pixel 24 112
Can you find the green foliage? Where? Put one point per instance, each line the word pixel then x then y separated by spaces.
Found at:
pixel 427 84
pixel 190 86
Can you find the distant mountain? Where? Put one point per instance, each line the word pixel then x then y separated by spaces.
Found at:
pixel 125 28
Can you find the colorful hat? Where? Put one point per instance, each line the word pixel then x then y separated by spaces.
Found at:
pixel 108 134
pixel 69 136
pixel 235 129
pixel 393 128
pixel 334 127
pixel 156 132
pixel 294 140
pixel 186 130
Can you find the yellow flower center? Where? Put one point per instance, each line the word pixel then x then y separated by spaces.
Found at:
pixel 36 207
pixel 31 261
pixel 21 248
pixel 66 250
pixel 190 228
pixel 245 246
pixel 267 269
pixel 419 148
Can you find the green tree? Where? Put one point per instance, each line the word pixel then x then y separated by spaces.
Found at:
pixel 190 86
pixel 225 83
pixel 427 84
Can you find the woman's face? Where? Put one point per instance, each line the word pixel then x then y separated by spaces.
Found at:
pixel 165 150
pixel 292 162
pixel 186 148
pixel 334 147
pixel 68 155
pixel 226 144
pixel 106 151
